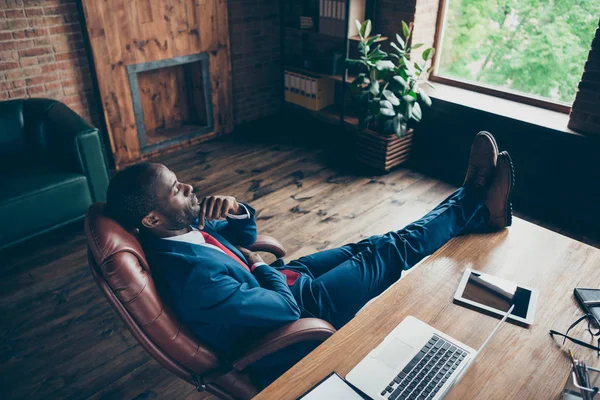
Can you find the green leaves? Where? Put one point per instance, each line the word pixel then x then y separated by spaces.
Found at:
pixel 400 41
pixel 405 30
pixel 361 79
pixel 398 49
pixel 385 65
pixel 363 47
pixel 374 88
pixel 377 55
pixel 364 30
pixel 417 114
pixel 428 54
pixel 408 67
pixel 398 79
pixel 391 97
pixel 387 90
pixel 408 99
pixel 424 97
pixel 386 104
pixel 373 39
pixel 387 112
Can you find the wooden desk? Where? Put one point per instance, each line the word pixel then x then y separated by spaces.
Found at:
pixel 518 363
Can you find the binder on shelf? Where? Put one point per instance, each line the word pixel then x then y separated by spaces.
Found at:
pixel 342 18
pixel 308 90
pixel 286 82
pixel 332 16
pixel 338 20
pixel 306 22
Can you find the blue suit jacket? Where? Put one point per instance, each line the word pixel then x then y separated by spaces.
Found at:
pixel 222 303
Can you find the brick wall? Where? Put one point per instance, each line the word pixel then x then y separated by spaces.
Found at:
pixel 585 113
pixel 42 54
pixel 255 58
pixel 426 13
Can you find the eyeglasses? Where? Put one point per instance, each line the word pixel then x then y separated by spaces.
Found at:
pixel 592 327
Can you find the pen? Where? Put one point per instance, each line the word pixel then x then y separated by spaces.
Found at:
pixel 574 367
pixel 586 380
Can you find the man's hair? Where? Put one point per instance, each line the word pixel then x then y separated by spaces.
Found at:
pixel 131 194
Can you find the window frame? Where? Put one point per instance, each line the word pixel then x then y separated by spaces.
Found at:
pixel 482 87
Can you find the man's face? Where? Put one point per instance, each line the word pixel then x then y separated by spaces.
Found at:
pixel 178 206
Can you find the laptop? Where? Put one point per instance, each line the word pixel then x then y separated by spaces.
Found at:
pixel 415 361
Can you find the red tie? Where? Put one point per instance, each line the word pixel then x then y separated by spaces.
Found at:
pixel 290 276
pixel 211 240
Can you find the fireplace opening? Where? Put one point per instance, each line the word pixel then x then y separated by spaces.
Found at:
pixel 171 100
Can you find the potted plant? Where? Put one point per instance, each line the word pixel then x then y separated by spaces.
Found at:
pixel 388 96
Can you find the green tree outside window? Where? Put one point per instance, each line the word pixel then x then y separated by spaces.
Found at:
pixel 538 47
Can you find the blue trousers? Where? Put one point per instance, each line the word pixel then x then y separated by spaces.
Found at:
pixel 344 279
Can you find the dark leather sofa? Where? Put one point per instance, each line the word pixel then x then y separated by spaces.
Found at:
pixel 52 167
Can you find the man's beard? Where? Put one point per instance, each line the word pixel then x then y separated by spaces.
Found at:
pixel 178 221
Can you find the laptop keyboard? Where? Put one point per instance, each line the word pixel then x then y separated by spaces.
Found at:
pixel 427 372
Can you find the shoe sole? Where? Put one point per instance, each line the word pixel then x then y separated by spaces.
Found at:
pixel 511 168
pixel 491 137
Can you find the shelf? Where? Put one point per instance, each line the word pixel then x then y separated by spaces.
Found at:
pixel 339 77
pixel 357 38
pixel 329 115
pixel 317 33
pixel 311 32
pixel 306 71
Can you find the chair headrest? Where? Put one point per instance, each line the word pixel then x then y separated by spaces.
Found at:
pixel 106 237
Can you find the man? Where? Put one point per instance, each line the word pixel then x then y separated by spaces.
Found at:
pixel 229 296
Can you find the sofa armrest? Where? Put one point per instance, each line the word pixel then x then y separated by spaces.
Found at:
pixel 302 330
pixel 268 244
pixel 80 146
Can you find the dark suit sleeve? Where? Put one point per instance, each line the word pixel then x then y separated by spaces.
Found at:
pixel 239 232
pixel 223 299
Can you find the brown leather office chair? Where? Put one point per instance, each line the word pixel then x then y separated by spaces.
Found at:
pixel 121 271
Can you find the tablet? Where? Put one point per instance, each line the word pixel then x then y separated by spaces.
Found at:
pixel 332 387
pixel 496 295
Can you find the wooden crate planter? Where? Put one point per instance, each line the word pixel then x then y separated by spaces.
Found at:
pixel 382 152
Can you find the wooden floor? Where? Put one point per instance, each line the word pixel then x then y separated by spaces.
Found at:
pixel 59 338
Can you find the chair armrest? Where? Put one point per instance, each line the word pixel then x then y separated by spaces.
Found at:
pixel 78 144
pixel 268 244
pixel 302 330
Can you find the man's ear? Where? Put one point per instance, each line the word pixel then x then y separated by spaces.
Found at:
pixel 151 220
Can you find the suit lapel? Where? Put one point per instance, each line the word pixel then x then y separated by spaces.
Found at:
pixel 188 248
pixel 225 243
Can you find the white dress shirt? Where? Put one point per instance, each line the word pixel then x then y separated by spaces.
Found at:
pixel 195 237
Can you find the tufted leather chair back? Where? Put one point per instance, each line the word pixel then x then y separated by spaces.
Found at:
pixel 31 133
pixel 23 126
pixel 120 269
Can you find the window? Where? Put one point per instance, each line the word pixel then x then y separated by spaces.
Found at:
pixel 529 50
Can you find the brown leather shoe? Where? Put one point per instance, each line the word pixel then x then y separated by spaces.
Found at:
pixel 482 162
pixel 497 198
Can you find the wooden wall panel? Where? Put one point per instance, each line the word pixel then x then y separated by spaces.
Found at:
pixel 125 32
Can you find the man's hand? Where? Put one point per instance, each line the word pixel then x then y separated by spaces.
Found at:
pixel 251 256
pixel 217 207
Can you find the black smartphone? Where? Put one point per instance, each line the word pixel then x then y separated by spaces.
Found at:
pixel 589 301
